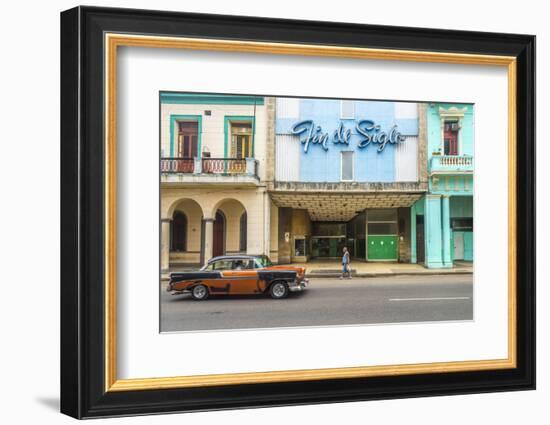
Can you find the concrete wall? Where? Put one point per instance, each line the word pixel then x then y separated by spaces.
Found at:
pixel 284 227
pixel 301 226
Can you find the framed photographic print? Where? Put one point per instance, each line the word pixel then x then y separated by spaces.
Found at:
pixel 261 212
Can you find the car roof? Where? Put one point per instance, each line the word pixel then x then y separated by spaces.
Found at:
pixel 235 257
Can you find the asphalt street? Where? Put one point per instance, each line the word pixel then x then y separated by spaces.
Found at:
pixel 328 302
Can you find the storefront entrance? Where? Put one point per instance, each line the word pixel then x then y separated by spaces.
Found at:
pixel 382 235
pixel 320 228
pixel 327 246
pixel 328 239
pixel 382 241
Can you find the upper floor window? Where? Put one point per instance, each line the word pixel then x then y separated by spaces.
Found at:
pixel 450 137
pixel 188 132
pixel 347 109
pixel 347 166
pixel 241 140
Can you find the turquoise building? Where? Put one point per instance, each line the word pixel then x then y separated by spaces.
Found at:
pixel 442 221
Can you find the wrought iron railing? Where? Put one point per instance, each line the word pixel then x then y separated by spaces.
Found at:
pixel 177 165
pixel 225 166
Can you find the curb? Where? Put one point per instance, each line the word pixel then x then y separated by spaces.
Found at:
pixel 337 275
pixel 434 273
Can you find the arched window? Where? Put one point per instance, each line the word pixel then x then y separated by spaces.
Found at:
pixel 242 240
pixel 179 232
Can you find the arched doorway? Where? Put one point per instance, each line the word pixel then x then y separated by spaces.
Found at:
pixel 218 246
pixel 229 228
pixel 183 240
pixel 178 235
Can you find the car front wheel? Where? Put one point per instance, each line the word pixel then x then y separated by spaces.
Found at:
pixel 278 290
pixel 199 293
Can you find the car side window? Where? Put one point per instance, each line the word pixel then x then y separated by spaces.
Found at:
pixel 257 264
pixel 238 265
pixel 223 265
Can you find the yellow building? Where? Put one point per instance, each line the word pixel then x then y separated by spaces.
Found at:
pixel 214 170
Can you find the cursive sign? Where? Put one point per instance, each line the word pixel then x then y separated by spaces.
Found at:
pixel 369 131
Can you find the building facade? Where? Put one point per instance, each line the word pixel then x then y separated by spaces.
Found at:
pixel 445 216
pixel 346 174
pixel 213 194
pixel 299 179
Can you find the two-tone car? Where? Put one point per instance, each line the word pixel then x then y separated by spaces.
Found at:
pixel 239 275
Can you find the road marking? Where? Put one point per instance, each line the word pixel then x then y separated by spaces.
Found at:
pixel 430 299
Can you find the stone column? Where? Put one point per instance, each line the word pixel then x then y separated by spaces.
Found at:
pixel 432 231
pixel 267 224
pixel 270 107
pixel 422 144
pixel 446 231
pixel 197 168
pixel 208 238
pixel 413 233
pixel 165 245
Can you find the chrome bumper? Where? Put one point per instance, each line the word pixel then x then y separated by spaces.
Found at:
pixel 299 286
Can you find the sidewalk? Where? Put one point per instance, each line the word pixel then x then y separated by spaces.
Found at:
pixel 318 268
pixel 333 268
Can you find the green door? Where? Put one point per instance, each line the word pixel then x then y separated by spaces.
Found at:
pixel 382 247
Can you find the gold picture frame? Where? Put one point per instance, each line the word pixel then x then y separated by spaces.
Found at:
pixel 114 41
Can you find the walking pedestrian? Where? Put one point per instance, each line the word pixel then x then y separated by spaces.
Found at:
pixel 346 267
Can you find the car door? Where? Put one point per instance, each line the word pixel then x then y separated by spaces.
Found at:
pixel 243 277
pixel 221 285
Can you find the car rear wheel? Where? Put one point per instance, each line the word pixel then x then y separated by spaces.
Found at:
pixel 199 292
pixel 278 290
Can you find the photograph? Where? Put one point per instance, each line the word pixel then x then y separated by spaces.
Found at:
pixel 280 212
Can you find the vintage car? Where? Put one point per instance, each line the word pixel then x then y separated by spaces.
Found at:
pixel 239 275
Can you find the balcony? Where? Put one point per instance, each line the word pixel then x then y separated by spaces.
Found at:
pixel 451 164
pixel 209 170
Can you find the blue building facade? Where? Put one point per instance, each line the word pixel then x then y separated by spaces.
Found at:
pixel 346 174
pixel 345 126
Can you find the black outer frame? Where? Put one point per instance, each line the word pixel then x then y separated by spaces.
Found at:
pixel 82 212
